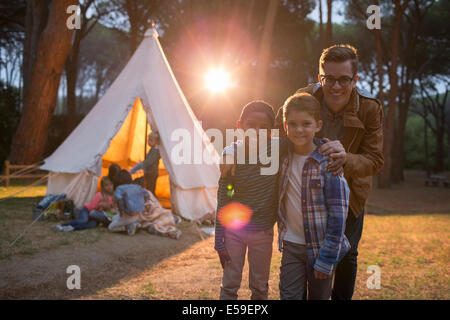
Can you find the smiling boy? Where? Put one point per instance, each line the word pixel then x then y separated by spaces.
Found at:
pixel 313 207
pixel 258 193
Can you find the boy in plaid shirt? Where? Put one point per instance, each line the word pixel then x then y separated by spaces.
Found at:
pixel 312 209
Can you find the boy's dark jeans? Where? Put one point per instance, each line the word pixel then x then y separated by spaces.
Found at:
pixel 297 280
pixel 345 276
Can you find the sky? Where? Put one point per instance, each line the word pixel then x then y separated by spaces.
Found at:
pixel 337 16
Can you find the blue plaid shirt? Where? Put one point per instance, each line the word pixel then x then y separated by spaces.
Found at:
pixel 324 207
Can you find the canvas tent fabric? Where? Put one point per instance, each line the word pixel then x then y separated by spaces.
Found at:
pixel 114 131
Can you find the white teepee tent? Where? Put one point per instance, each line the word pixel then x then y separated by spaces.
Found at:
pixel 114 131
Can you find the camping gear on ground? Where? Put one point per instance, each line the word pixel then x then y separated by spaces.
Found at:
pixel 60 210
pixel 43 205
pixel 55 206
pixel 114 132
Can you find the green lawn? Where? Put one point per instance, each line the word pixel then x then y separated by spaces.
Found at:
pixel 15 216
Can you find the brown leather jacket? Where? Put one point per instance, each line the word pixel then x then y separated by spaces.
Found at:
pixel 363 142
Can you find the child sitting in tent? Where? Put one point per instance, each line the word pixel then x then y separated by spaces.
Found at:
pixel 158 220
pixel 102 204
pixel 131 199
pixel 150 164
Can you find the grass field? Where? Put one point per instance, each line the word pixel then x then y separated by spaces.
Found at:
pixel 411 248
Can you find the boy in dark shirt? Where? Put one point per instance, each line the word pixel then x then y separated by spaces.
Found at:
pixel 255 198
pixel 150 164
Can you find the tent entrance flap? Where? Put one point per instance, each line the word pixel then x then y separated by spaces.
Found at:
pixel 128 145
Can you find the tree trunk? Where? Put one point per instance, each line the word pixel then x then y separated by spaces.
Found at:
pixel 425 141
pixel 439 163
pixel 134 25
pixel 379 57
pixel 35 21
pixel 54 45
pixel 403 104
pixel 251 5
pixel 329 22
pixel 379 51
pixel 321 38
pixel 384 178
pixel 266 41
pixel 398 152
pixel 71 69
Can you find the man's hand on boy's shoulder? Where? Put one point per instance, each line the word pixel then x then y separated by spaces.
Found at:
pixel 224 257
pixel 335 150
pixel 225 168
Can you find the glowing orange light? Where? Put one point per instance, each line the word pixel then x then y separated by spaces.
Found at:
pixel 234 215
pixel 217 80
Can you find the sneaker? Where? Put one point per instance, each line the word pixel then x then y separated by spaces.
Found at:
pixel 67 228
pixel 175 234
pixel 177 218
pixel 57 227
pixel 131 229
pixel 151 230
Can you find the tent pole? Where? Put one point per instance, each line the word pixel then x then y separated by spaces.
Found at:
pixel 146 136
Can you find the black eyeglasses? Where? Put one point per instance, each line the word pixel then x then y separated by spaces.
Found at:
pixel 329 81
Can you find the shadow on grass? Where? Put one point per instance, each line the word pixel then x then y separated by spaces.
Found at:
pixel 377 211
pixel 105 259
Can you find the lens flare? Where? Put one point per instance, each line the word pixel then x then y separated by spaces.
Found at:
pixel 235 215
pixel 217 80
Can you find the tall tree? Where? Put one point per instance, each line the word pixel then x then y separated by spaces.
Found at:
pixel 411 69
pixel 53 46
pixel 329 22
pixel 72 62
pixel 434 104
pixel 321 41
pixel 423 49
pixel 384 180
pixel 35 22
pixel 265 46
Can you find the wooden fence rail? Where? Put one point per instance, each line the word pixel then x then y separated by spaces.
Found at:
pixel 9 174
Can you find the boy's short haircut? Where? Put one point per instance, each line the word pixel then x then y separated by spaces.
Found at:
pixel 124 177
pixel 339 53
pixel 258 106
pixel 302 102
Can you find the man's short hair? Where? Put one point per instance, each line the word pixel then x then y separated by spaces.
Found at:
pixel 258 106
pixel 339 53
pixel 302 102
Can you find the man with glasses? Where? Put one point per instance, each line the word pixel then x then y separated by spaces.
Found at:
pixel 352 120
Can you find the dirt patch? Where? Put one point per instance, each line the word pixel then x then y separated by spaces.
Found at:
pixel 410 197
pixel 114 258
pixel 406 233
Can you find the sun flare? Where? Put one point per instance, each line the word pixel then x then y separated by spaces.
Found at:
pixel 217 80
